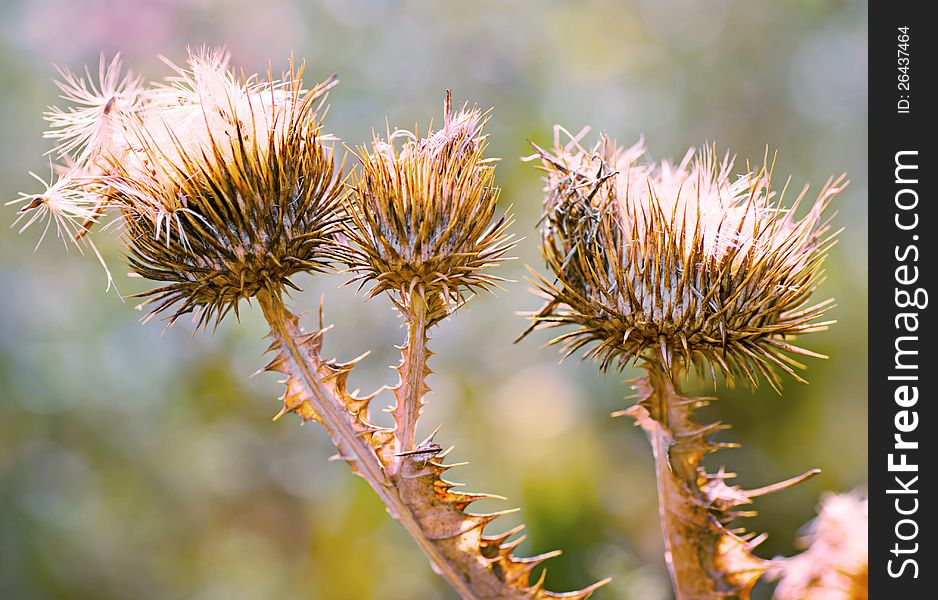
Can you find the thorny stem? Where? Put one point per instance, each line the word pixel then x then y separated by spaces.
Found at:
pixel 413 378
pixel 706 559
pixel 670 471
pixel 340 430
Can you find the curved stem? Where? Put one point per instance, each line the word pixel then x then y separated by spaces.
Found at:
pixel 348 440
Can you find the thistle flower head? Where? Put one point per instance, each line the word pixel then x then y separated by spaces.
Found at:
pixel 422 214
pixel 679 262
pixel 224 185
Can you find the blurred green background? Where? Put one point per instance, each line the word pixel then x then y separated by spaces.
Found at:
pixel 142 463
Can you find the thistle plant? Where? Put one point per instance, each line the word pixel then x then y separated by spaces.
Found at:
pixel 835 561
pixel 680 267
pixel 225 187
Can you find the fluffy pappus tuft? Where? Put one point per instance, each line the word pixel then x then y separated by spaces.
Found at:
pixel 679 262
pixel 69 207
pixel 92 123
pixel 423 214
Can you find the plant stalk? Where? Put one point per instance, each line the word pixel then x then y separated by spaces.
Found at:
pixel 410 483
pixel 343 434
pixel 413 370
pixel 706 560
pixel 675 479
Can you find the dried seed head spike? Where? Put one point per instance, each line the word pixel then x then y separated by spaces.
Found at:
pixel 678 261
pixel 423 214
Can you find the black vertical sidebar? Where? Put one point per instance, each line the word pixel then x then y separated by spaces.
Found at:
pixel 903 236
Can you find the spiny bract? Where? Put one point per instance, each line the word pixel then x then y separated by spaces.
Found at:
pixel 679 261
pixel 423 214
pixel 224 185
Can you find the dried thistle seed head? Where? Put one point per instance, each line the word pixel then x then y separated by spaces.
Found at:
pixel 422 214
pixel 679 262
pixel 235 190
pixel 224 185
